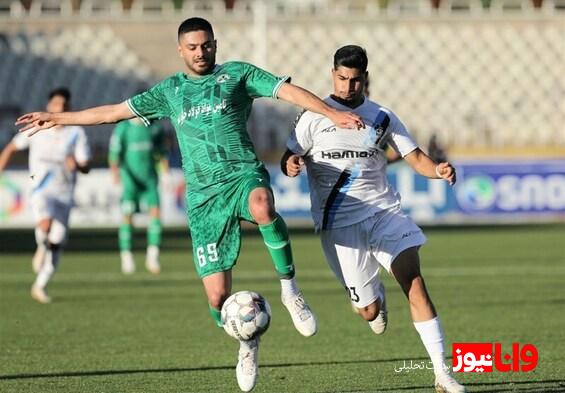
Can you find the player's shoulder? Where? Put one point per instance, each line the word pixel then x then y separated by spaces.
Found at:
pixel 376 107
pixel 234 67
pixel 306 117
pixel 171 82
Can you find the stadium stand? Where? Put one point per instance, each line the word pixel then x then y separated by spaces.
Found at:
pixel 478 73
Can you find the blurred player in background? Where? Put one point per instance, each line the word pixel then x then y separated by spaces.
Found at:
pixel 135 150
pixel 54 160
pixel 358 213
pixel 209 106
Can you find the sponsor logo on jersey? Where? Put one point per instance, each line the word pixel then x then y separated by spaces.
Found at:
pixel 338 155
pixel 329 129
pixel 204 109
pixel 222 78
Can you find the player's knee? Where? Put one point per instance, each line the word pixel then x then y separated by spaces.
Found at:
pixel 369 312
pixel 57 234
pixel 217 298
pixel 44 225
pixel 418 295
pixel 261 206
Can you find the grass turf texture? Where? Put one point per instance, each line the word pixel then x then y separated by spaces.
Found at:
pixel 106 332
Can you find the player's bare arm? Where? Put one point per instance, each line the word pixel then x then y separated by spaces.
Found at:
pixel 303 98
pixel 37 121
pixel 291 164
pixel 6 154
pixel 73 165
pixel 425 166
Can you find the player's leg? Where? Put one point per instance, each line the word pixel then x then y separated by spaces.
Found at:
pixel 153 230
pixel 406 270
pixel 128 207
pixel 43 274
pixel 275 235
pixel 216 243
pixel 349 256
pixel 218 288
pixel 125 240
pixel 41 231
pixel 56 238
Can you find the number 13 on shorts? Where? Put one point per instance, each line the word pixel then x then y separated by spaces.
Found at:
pixel 207 254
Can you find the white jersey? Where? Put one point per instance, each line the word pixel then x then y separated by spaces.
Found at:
pixel 347 168
pixel 47 152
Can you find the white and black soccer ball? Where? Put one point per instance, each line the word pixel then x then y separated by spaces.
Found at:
pixel 246 315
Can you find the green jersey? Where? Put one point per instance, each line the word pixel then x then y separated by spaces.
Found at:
pixel 210 115
pixel 136 149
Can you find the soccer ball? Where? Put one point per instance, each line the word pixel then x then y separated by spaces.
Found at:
pixel 246 315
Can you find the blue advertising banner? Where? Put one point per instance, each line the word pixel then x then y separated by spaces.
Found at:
pixel 486 191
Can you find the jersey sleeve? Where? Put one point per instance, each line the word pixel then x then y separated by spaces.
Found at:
pixel 400 138
pixel 300 139
pixel 260 83
pixel 116 144
pixel 21 141
pixel 82 148
pixel 151 104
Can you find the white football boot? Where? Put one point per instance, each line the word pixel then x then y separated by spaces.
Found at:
pixel 378 325
pixel 445 383
pixel 128 264
pixel 39 294
pixel 302 317
pixel 247 367
pixel 152 260
pixel 38 258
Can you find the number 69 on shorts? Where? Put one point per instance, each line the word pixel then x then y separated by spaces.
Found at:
pixel 207 254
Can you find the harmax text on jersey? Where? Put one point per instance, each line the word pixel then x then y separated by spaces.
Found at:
pixel 337 155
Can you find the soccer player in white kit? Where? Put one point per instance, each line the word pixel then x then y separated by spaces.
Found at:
pixel 54 160
pixel 357 212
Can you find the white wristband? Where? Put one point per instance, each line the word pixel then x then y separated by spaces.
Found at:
pixel 437 172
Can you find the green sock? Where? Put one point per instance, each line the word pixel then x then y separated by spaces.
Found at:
pixel 124 237
pixel 154 232
pixel 275 236
pixel 216 315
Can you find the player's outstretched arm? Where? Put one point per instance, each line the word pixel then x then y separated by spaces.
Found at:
pixel 37 121
pixel 6 154
pixel 425 166
pixel 291 164
pixel 303 98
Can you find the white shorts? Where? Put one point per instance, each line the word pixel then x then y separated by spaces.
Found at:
pixel 44 207
pixel 356 252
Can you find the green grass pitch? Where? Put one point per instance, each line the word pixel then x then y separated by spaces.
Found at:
pixel 106 332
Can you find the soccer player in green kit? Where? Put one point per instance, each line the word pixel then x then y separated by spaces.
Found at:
pixel 134 151
pixel 209 105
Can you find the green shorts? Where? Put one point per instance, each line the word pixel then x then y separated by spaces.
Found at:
pixel 138 193
pixel 215 226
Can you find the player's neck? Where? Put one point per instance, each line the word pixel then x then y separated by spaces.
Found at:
pixel 348 103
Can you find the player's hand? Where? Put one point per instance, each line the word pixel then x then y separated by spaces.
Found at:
pixel 294 165
pixel 447 172
pixel 70 163
pixel 35 121
pixel 347 120
pixel 116 177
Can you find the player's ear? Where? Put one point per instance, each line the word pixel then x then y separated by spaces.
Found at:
pixel 179 50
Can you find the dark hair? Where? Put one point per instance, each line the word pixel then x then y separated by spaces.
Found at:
pixel 61 91
pixel 195 24
pixel 351 56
